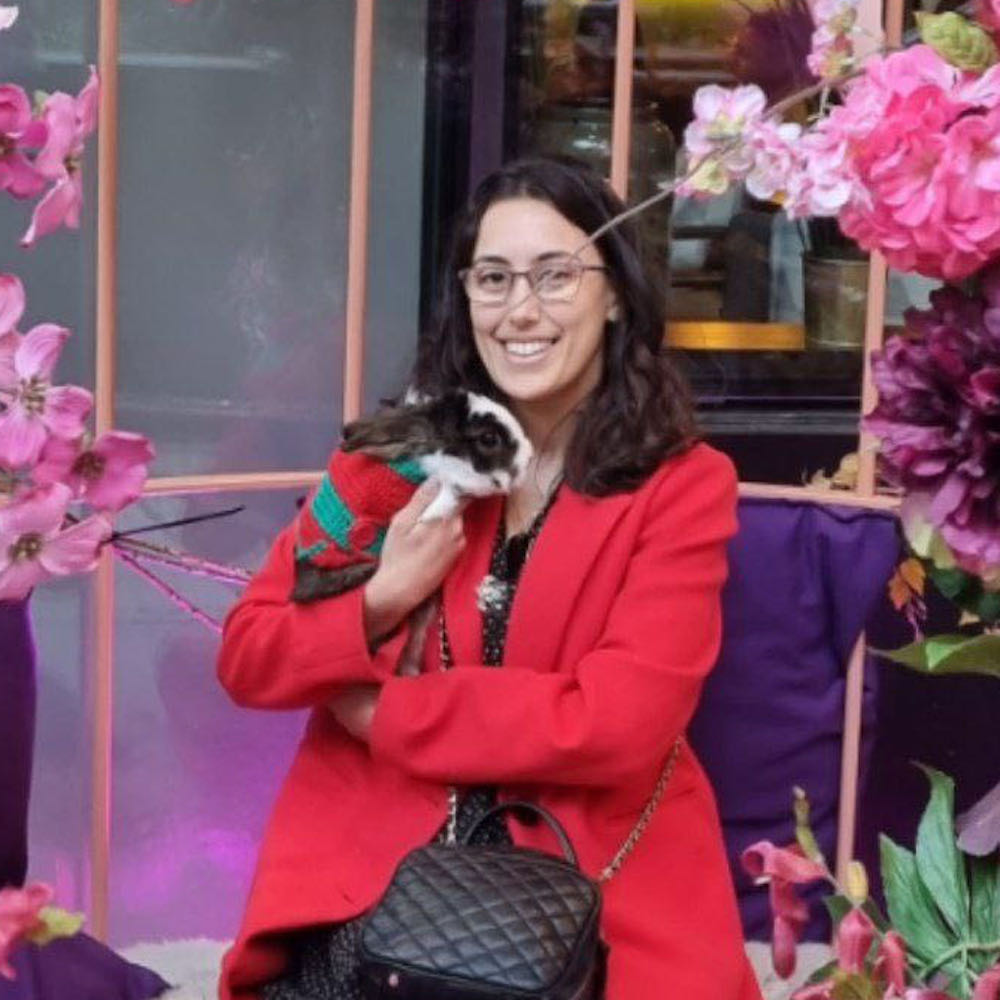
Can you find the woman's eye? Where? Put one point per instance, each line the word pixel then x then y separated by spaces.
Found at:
pixel 491 279
pixel 553 276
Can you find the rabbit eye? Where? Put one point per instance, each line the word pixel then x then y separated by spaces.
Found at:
pixel 489 439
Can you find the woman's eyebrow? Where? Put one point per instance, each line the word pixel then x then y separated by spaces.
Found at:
pixel 548 255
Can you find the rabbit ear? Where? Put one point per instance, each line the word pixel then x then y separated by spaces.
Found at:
pixel 391 434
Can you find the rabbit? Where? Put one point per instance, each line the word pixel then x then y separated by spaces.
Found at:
pixel 471 444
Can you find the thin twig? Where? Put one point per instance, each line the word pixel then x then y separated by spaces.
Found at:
pixel 164 588
pixel 194 565
pixel 179 523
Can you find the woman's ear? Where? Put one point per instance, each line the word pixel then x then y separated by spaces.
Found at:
pixel 614 313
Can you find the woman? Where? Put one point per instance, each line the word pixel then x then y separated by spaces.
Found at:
pixel 601 601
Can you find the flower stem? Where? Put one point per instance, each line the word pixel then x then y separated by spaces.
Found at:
pixel 963 948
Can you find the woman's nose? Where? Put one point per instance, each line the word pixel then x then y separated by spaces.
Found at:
pixel 523 301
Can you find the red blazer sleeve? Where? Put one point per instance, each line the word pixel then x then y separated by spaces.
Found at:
pixel 277 653
pixel 617 713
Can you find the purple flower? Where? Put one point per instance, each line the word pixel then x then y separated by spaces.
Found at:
pixel 938 417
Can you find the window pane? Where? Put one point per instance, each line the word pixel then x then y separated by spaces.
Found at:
pixel 235 124
pixel 194 776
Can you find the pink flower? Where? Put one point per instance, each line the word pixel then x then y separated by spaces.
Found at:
pixel 715 138
pixel 890 965
pixel 833 40
pixel 988 985
pixel 988 13
pixel 34 545
pixel 18 130
pixel 783 868
pixel 69 120
pixel 775 158
pixel 20 911
pixel 855 934
pixel 34 407
pixel 11 310
pixel 109 474
pixel 8 16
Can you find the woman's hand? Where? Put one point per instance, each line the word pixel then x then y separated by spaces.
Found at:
pixel 416 557
pixel 354 709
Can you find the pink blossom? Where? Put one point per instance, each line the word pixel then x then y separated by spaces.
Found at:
pixel 775 158
pixel 988 985
pixel 890 964
pixel 34 545
pixel 36 408
pixel 18 131
pixel 714 139
pixel 109 474
pixel 20 911
pixel 833 40
pixel 69 120
pixel 855 934
pixel 783 868
pixel 988 12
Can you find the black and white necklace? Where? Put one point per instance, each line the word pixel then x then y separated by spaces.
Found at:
pixel 496 589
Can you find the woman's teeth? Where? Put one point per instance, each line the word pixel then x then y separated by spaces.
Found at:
pixel 527 348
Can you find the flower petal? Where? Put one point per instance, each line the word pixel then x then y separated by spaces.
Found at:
pixel 988 985
pixel 39 351
pixel 764 860
pixel 12 301
pixel 58 207
pixel 56 461
pixel 87 102
pixel 40 512
pixel 76 549
pixel 66 409
pixel 855 934
pixel 126 466
pixel 21 438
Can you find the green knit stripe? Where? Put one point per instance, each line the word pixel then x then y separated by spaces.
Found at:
pixel 375 548
pixel 332 514
pixel 410 469
pixel 310 553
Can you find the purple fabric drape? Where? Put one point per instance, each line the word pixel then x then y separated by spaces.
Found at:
pixel 803 581
pixel 77 968
pixel 17 734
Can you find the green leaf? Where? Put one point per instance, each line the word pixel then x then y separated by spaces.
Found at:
pixel 939 861
pixel 984 883
pixel 839 906
pixel 821 974
pixel 911 907
pixel 55 923
pixel 985 905
pixel 950 654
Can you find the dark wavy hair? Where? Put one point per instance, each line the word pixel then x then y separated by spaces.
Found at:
pixel 641 411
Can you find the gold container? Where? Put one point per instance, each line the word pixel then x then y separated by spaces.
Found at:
pixel 835 297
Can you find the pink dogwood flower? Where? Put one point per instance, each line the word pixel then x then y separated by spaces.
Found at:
pixel 109 474
pixel 20 911
pixel 35 546
pixel 69 121
pixel 19 130
pixel 34 408
pixel 783 868
pixel 12 302
pixel 8 15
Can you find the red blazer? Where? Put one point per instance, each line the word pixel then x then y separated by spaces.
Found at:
pixel 615 624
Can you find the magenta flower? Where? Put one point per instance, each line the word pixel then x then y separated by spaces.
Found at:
pixel 988 12
pixel 988 985
pixel 34 408
pixel 20 911
pixel 19 131
pixel 69 121
pixel 783 868
pixel 11 306
pixel 34 546
pixel 109 474
pixel 890 965
pixel 938 417
pixel 855 934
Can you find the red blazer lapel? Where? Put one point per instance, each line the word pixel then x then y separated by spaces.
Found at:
pixel 571 539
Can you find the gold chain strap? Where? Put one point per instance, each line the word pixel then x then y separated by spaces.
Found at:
pixel 628 845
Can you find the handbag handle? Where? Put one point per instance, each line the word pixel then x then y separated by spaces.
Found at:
pixel 530 807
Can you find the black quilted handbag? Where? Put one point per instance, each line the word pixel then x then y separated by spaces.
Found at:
pixel 466 922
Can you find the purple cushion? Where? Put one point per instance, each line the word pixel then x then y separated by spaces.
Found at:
pixel 77 968
pixel 803 580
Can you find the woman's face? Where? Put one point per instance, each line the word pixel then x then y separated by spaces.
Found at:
pixel 539 352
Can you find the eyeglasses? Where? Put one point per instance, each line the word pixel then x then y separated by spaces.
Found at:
pixel 555 279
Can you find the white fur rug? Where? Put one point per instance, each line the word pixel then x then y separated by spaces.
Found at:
pixel 193 966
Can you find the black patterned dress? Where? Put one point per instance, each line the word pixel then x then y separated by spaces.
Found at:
pixel 324 960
